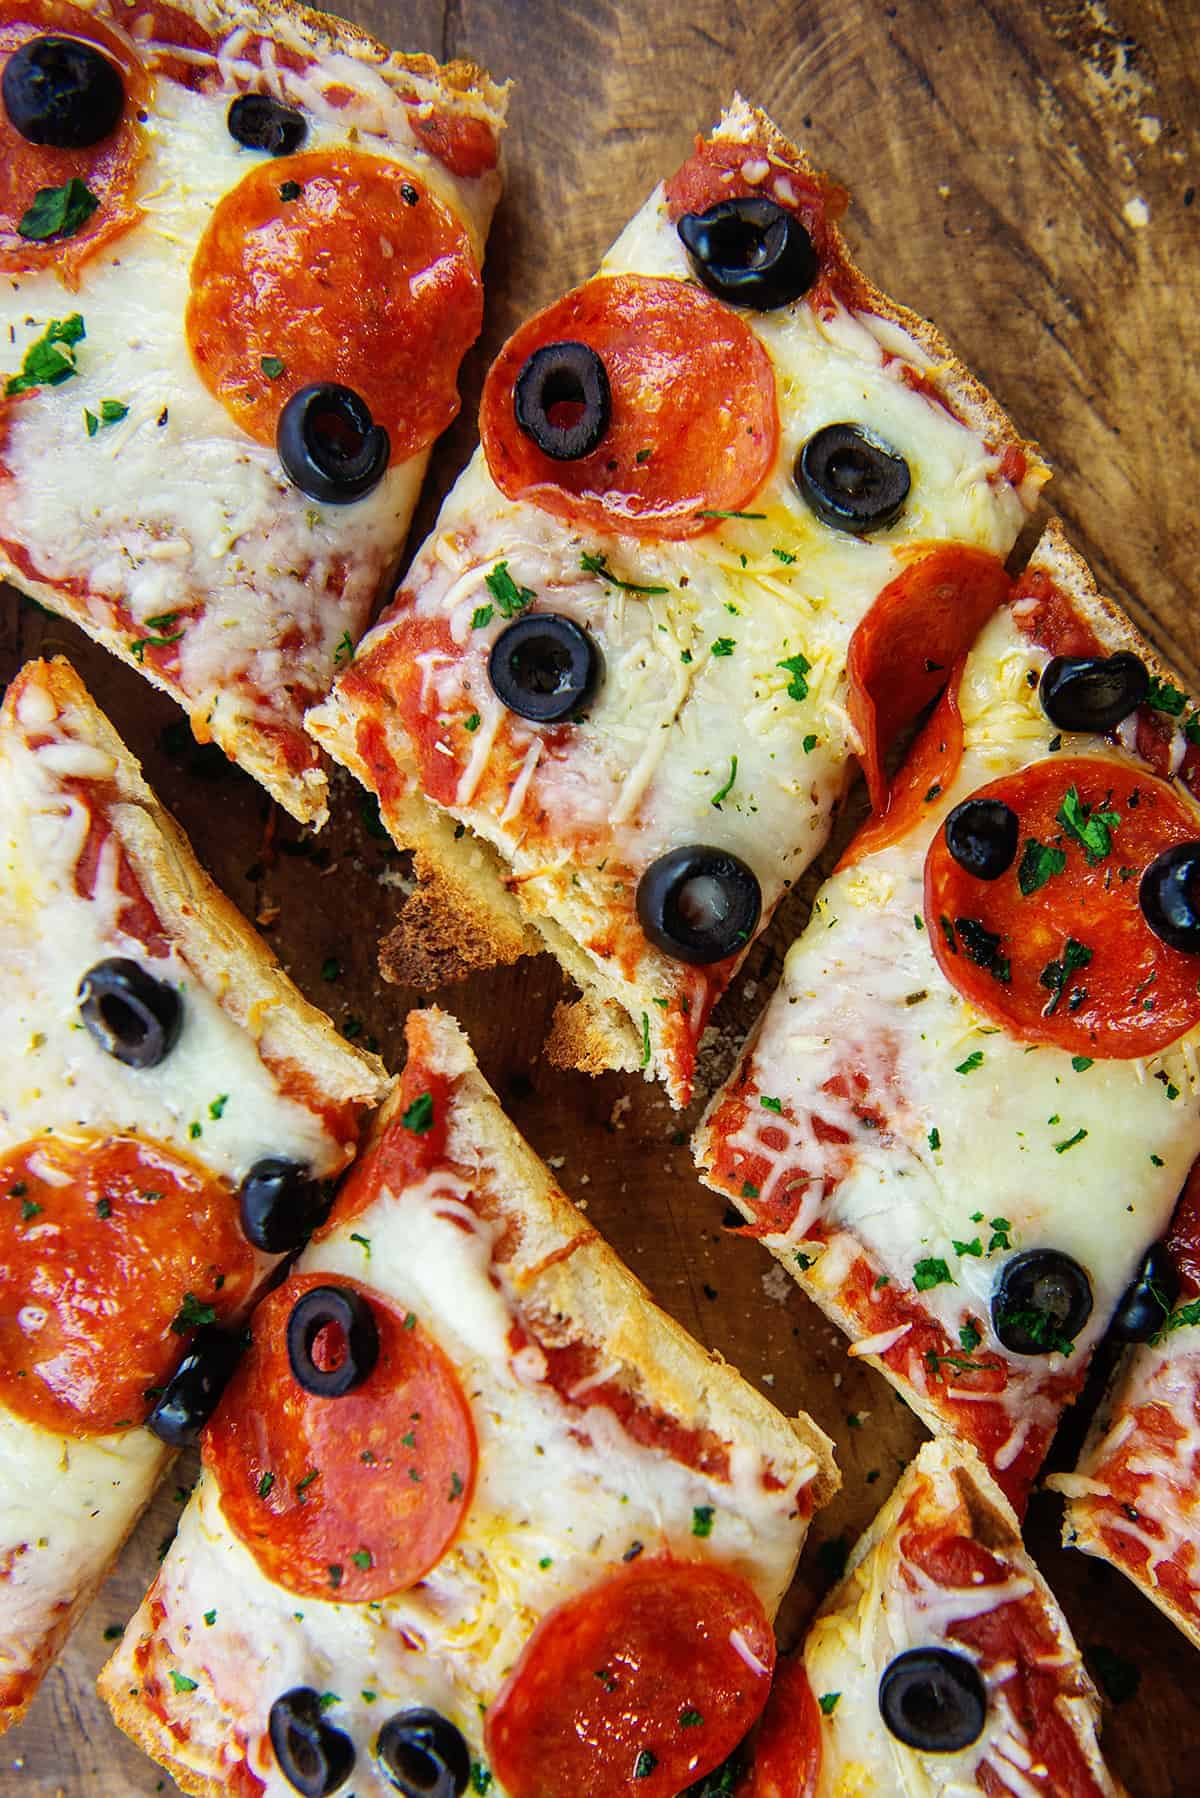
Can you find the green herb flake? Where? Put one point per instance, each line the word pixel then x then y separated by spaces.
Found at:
pixel 289 191
pixel 363 1559
pixel 690 1719
pixel 935 1139
pixel 51 359
pixel 1163 697
pixel 974 1247
pixel 481 1778
pixel 58 212
pixel 210 1617
pixel 1039 863
pixel 1081 1063
pixel 272 366
pixel 418 1116
pixel 1056 975
pixel 645 1056
pixel 974 1060
pixel 216 1107
pixel 265 1485
pixel 343 655
pixel 749 1189
pixel 931 1271
pixel 30 1209
pixel 1000 1237
pixel 767 1104
pixel 645 1764
pixel 364 1243
pixel 336 1574
pixel 481 616
pixel 713 512
pixel 723 646
pixel 1157 1161
pixel 510 598
pixel 810 743
pixel 702 1520
pixel 828 1702
pixel 164 634
pixel 798 667
pixel 193 1314
pixel 724 792
pixel 598 565
pixel 968 1335
pixel 1060 1148
pixel 181 1682
pixel 1092 830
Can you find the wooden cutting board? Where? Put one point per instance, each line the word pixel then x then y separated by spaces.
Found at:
pixel 1022 174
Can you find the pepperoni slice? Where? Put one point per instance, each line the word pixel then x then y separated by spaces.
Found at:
pixel 924 619
pixel 1183 1237
pixel 694 425
pixel 1074 962
pixel 464 145
pixel 109 1245
pixel 107 169
pixel 362 278
pixel 407 1147
pixel 928 772
pixel 353 1497
pixel 642 1684
pixel 787 1743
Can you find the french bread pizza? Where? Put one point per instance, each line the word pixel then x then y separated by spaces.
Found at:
pixel 942 1665
pixel 1134 1497
pixel 965 1116
pixel 472 1510
pixel 241 250
pixel 170 1110
pixel 732 511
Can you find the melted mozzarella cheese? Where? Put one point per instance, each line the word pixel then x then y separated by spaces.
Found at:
pixel 175 510
pixel 652 766
pixel 67 1503
pixel 560 1497
pixel 892 1606
pixel 1166 1516
pixel 960 1144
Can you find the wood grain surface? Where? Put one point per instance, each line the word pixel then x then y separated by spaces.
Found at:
pixel 1024 174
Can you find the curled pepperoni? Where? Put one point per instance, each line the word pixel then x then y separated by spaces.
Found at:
pixel 1073 961
pixel 464 145
pixel 352 1497
pixel 111 1249
pixel 786 1749
pixel 107 169
pixel 694 424
pixel 928 772
pixel 642 1684
pixel 924 619
pixel 362 278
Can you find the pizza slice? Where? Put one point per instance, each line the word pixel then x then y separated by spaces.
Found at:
pixel 472 1508
pixel 241 248
pixel 968 1109
pixel 941 1665
pixel 733 514
pixel 1134 1498
pixel 170 1109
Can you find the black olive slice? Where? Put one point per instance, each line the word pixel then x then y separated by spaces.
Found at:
pixel 1169 895
pixel 281 1204
pixel 1150 1295
pixel 423 1755
pixel 62 92
pixel 1092 693
pixel 750 252
pixel 851 479
pixel 544 667
pixel 262 123
pixel 133 1016
pixel 329 445
pixel 981 835
pixel 349 1315
pixel 314 1757
pixel 934 1700
pixel 699 904
pixel 192 1394
pixel 1040 1302
pixel 562 400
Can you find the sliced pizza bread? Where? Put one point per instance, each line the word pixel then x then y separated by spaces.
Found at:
pixel 471 1495
pixel 732 510
pixel 163 1082
pixel 233 323
pixel 966 1113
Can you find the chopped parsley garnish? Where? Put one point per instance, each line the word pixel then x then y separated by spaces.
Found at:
pixel 724 792
pixel 1163 697
pixel 364 1243
pixel 216 1107
pixel 1039 863
pixel 974 1247
pixel 645 1059
pixel 103 1207
pixel 1060 1148
pixel 598 565
pixel 749 1189
pixel 289 190
pixel 982 946
pixel 193 1314
pixel 482 615
pixel 690 1719
pixel 303 1485
pixel 418 1116
pixel 1091 829
pixel 181 1682
pixel 163 626
pixel 456 1487
pixel 343 655
pixel 210 1617
pixel 336 1575
pixel 111 413
pixel 810 743
pixel 999 1238
pixel 931 1271
pixel 272 366
pixel 1056 975
pixel 51 359
pixel 481 1778
pixel 724 646
pixel 645 1764
pixel 797 666
pixel 30 1209
pixel 1039 1326
pixel 58 211
pixel 712 512
pixel 828 1703
pixel 1181 1319
pixel 510 598
pixel 968 1335
pixel 363 1559
pixel 265 1485
pixel 1081 1063
pixel 785 556
pixel 935 1139
pixel 974 1060
pixel 472 723
pixel 606 1677
pixel 702 1520
pixel 770 1104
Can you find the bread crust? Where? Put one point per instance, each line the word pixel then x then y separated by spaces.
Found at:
pixel 460 87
